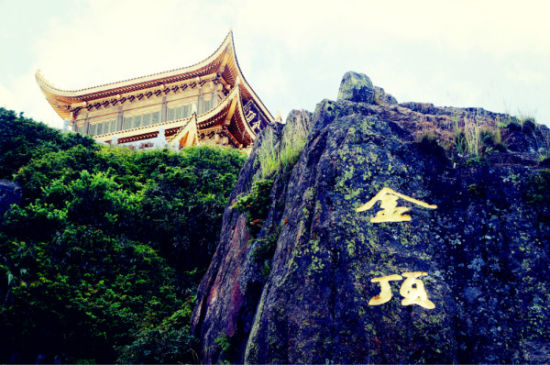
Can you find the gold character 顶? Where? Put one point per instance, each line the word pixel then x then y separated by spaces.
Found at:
pixel 412 290
pixel 385 289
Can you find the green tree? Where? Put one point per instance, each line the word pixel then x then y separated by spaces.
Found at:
pixel 22 138
pixel 102 258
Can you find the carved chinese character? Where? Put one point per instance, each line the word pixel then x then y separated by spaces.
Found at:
pixel 385 289
pixel 414 292
pixel 390 211
pixel 250 115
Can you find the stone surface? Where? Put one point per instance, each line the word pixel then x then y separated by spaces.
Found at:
pixel 10 193
pixel 381 98
pixel 485 249
pixel 530 140
pixel 356 87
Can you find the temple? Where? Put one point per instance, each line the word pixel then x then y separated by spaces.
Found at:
pixel 207 103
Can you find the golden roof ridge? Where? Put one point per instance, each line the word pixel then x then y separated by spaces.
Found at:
pixel 45 84
pixel 246 84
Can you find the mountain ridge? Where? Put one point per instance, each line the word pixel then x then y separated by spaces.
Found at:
pixel 486 242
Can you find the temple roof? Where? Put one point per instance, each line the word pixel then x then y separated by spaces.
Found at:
pixel 229 109
pixel 223 62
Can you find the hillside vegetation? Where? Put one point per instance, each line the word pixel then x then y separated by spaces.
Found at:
pixel 100 261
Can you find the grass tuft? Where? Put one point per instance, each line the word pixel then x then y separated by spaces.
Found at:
pixel 274 156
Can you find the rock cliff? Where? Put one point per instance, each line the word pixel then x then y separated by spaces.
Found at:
pixel 390 240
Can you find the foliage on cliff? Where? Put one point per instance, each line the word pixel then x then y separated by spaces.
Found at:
pixel 101 259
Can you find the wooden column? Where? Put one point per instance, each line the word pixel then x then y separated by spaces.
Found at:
pixel 86 127
pixel 163 110
pixel 199 101
pixel 119 119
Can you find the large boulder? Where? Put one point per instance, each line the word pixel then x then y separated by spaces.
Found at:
pixel 381 98
pixel 356 87
pixel 465 279
pixel 10 193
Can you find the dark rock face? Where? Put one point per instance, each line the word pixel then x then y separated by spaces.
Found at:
pixel 484 250
pixel 526 139
pixel 356 87
pixel 10 193
pixel 381 98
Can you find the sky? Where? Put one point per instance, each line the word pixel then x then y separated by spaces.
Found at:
pixel 489 54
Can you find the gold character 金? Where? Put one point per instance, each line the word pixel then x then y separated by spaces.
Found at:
pixel 390 211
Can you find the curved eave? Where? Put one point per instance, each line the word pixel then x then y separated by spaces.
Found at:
pixel 189 126
pixel 246 86
pixel 248 131
pixel 59 99
pixel 220 111
pixel 155 78
pixel 60 104
pixel 220 108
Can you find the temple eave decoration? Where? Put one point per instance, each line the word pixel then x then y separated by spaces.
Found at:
pixel 207 103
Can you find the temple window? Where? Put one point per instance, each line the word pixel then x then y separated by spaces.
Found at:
pixel 187 111
pixel 113 126
pixel 146 119
pixel 179 112
pixel 135 121
pixel 206 104
pixel 155 118
pixel 108 126
pixel 141 120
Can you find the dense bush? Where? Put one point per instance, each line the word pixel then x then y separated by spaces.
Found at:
pixel 256 205
pixel 101 260
pixel 23 138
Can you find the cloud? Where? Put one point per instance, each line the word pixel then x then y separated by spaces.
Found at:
pixel 294 52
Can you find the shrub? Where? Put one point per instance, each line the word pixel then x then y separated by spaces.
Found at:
pixel 460 143
pixel 428 143
pixel 538 188
pixel 223 342
pixel 467 139
pixel 293 142
pixel 264 250
pixel 475 140
pixel 256 205
pixel 170 342
pixel 22 139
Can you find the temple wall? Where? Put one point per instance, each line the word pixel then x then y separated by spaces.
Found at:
pixel 149 111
